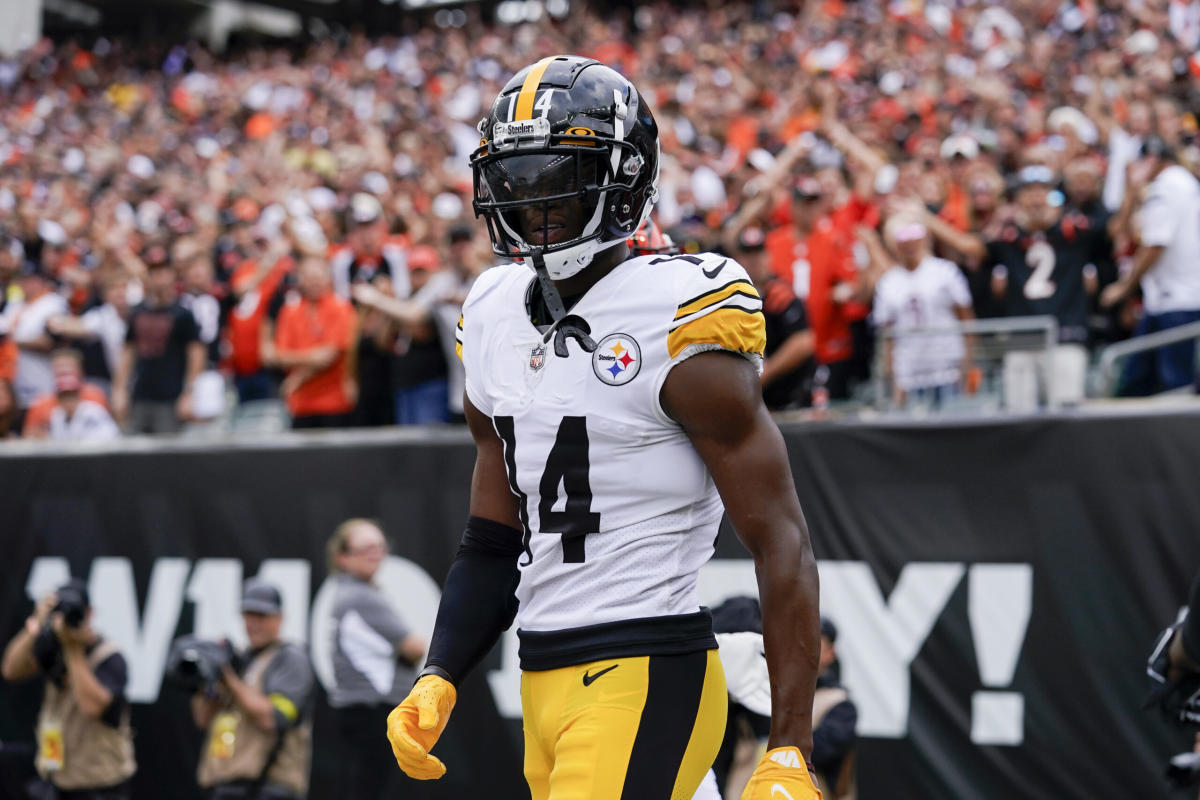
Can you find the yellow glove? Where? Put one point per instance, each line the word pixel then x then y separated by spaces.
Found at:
pixel 781 775
pixel 414 726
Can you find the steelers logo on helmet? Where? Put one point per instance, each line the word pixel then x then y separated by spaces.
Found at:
pixel 617 359
pixel 570 165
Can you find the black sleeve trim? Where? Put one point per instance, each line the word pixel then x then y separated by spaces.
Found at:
pixel 478 600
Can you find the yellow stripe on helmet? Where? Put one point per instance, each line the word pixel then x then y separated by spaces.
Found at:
pixel 529 89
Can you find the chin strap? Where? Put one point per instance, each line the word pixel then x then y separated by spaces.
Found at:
pixel 565 324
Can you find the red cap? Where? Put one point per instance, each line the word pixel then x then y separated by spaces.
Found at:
pixel 423 256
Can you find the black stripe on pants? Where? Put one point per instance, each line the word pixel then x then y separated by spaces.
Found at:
pixel 673 692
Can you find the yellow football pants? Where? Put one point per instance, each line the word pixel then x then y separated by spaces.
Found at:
pixel 637 728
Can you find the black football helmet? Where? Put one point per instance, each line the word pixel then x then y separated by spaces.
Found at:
pixel 568 164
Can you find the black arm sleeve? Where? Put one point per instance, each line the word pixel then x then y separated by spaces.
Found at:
pixel 479 599
pixel 1191 625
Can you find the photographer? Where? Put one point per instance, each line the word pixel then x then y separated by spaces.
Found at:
pixel 85 743
pixel 259 713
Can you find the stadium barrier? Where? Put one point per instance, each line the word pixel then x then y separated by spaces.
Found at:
pixel 997 586
pixel 1114 356
pixel 1012 366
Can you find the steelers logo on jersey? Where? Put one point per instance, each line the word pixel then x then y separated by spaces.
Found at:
pixel 617 359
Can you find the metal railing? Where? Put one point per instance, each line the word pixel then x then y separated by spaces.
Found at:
pixel 1110 356
pixel 992 341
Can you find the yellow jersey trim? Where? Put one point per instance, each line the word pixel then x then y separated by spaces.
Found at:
pixel 742 287
pixel 730 328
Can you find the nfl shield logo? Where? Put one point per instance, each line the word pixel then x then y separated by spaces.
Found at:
pixel 537 358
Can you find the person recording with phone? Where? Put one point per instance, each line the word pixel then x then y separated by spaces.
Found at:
pixel 85 742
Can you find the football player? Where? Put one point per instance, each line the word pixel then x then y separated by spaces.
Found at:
pixel 615 404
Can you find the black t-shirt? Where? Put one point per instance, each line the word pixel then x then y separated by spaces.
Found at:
pixel 785 315
pixel 1045 270
pixel 422 362
pixel 160 338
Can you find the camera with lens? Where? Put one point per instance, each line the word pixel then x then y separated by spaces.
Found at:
pixel 195 663
pixel 72 604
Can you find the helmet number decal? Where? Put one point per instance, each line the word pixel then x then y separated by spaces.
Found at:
pixel 545 103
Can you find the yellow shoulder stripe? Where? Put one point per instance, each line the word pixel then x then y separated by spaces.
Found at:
pixel 707 299
pixel 458 338
pixel 529 89
pixel 729 328
pixel 285 706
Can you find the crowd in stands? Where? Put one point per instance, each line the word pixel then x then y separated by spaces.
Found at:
pixel 181 230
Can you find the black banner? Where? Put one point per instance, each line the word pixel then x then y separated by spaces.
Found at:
pixel 997 587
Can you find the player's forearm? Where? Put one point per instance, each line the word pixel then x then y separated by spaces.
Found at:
pixel 478 601
pixel 788 590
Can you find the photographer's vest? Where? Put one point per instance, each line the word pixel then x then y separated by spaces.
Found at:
pixel 76 752
pixel 237 750
pixel 845 789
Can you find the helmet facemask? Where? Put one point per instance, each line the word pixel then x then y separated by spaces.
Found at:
pixel 569 194
pixel 570 197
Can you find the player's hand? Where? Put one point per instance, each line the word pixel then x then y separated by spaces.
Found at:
pixel 414 726
pixel 782 775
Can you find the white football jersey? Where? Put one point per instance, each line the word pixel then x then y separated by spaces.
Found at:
pixel 619 509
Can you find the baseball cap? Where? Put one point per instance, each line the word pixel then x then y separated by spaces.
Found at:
pixel 52 233
pixel 909 232
pixel 423 256
pixel 364 208
pixel 461 233
pixel 807 189
pixel 260 597
pixel 244 210
pixel 1035 174
pixel 828 629
pixel 960 145
pixel 751 240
